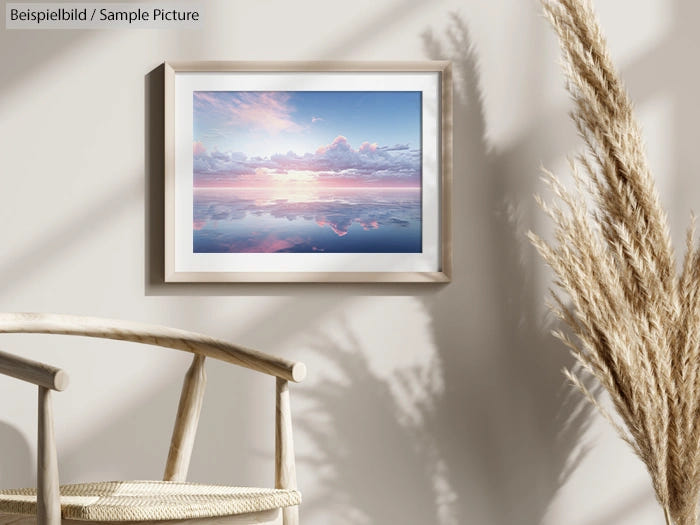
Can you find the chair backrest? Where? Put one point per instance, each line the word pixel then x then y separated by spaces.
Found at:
pixel 40 323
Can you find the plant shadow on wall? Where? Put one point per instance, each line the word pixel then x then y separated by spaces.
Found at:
pixel 502 370
pixel 372 455
pixel 513 425
pixel 495 432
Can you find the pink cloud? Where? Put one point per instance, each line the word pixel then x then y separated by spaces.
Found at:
pixel 198 148
pixel 208 97
pixel 269 244
pixel 339 143
pixel 339 230
pixel 316 119
pixel 341 225
pixel 266 111
pixel 334 164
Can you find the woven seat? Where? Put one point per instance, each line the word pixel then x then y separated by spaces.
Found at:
pixel 151 500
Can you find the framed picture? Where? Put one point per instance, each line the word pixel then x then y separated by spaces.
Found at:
pixel 307 172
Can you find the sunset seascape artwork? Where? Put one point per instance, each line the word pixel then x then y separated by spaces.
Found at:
pixel 307 172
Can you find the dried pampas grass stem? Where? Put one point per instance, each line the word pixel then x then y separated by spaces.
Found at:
pixel 633 319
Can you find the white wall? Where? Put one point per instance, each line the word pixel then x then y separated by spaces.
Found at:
pixel 424 404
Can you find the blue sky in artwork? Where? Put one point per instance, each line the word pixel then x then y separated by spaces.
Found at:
pixel 302 121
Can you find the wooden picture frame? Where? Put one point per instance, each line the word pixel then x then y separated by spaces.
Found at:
pixel 346 211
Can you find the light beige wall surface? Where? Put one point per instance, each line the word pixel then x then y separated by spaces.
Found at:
pixel 424 404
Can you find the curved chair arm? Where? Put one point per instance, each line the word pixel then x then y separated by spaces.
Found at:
pixel 154 335
pixel 34 372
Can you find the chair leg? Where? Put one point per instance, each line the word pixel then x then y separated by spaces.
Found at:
pixel 48 496
pixel 285 468
pixel 290 515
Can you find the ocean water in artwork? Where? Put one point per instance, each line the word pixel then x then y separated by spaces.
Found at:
pixel 342 220
pixel 307 172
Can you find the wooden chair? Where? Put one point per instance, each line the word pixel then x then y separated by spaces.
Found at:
pixel 171 501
